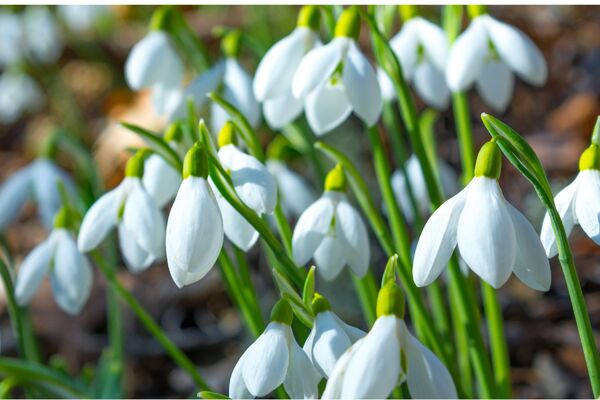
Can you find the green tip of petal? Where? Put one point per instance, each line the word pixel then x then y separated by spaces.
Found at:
pixel 309 17
pixel 320 304
pixel 135 165
pixel 407 11
pixel 227 135
pixel 174 133
pixel 282 312
pixel 475 10
pixel 590 158
pixel 489 160
pixel 231 43
pixel 65 218
pixel 348 25
pixel 336 179
pixel 390 300
pixel 195 162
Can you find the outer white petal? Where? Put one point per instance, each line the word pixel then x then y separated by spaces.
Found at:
pixel 299 382
pixel 518 51
pixel 327 107
pixel 361 86
pixel 495 85
pixel 317 66
pixel 237 89
pixel 434 42
pixel 351 231
pixel 374 369
pixel 531 264
pixel 354 334
pixel 253 182
pixel 281 110
pixel 236 228
pixel 587 203
pixel 45 176
pixel 198 89
pixel 267 360
pixel 430 84
pixel 330 342
pixel 311 228
pixel 405 44
pixel 467 56
pixel 438 240
pixel 71 277
pixel 237 387
pixel 486 235
pixel 388 92
pixel 335 383
pixel 136 258
pixel 417 184
pixel 13 195
pixel 194 232
pixel 565 204
pixel 100 219
pixel 295 194
pixel 330 257
pixel 166 98
pixel 33 270
pixel 160 180
pixel 276 70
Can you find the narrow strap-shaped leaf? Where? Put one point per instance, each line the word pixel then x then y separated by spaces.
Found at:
pixel 301 310
pixel 157 144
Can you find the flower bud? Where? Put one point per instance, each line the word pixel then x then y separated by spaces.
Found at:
pixel 590 158
pixel 195 162
pixel 336 179
pixel 390 300
pixel 135 165
pixel 348 25
pixel 320 304
pixel 282 312
pixel 230 44
pixel 489 160
pixel 309 17
pixel 227 135
pixel 174 133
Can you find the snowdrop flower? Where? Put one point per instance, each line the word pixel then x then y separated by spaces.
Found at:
pixel 579 202
pixel 43 39
pixel 131 210
pixel 253 183
pixel 194 228
pixel 493 237
pixel 488 53
pixel 11 45
pixel 329 338
pixel 275 358
pixel 422 49
pixel 81 18
pixel 18 94
pixel 332 232
pixel 38 182
pixel 386 356
pixel 273 79
pixel 69 270
pixel 413 169
pixel 337 78
pixel 294 193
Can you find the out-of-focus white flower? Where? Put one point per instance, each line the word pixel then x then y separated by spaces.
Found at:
pixel 336 79
pixel 43 40
pixel 11 43
pixel 81 18
pixel 38 182
pixel 294 193
pixel 493 237
pixel 448 179
pixel 422 49
pixel 273 79
pixel 329 338
pixel 579 202
pixel 132 210
pixel 18 94
pixel 70 271
pixel 275 358
pixel 332 232
pixel 386 356
pixel 487 53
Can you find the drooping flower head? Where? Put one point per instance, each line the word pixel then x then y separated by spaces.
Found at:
pixel 493 237
pixel 43 41
pixel 19 94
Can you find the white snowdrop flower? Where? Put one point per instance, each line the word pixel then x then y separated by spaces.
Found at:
pixel 131 210
pixel 387 356
pixel 44 42
pixel 275 358
pixel 336 79
pixel 579 202
pixel 194 229
pixel 294 193
pixel 11 43
pixel 422 49
pixel 38 182
pixel 332 232
pixel 273 79
pixel 329 338
pixel 81 18
pixel 488 53
pixel 57 256
pixel 448 179
pixel 19 94
pixel 493 237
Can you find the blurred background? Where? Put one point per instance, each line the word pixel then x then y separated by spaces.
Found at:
pixel 67 76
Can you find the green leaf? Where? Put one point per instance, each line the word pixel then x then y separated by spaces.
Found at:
pixel 301 310
pixel 157 144
pixel 390 270
pixel 107 381
pixel 308 293
pixel 205 394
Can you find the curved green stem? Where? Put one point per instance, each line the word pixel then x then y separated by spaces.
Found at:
pixel 462 119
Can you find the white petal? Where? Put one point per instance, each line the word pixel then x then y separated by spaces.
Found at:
pixel 13 195
pixel 237 89
pixel 160 180
pixel 327 107
pixel 330 257
pixel 438 240
pixel 136 258
pixel 299 382
pixel 45 176
pixel 434 42
pixel 335 383
pixel 330 342
pixel 467 56
pixel 100 219
pixel 495 85
pixel 388 92
pixel 351 230
pixel 295 194
pixel 33 270
pixel 317 66
pixel 276 70
pixel 587 203
pixel 430 84
pixel 518 51
pixel 239 231
pixel 486 236
pixel 253 182
pixel 194 232
pixel 374 369
pixel 405 44
pixel 267 360
pixel 166 99
pixel 361 86
pixel 531 264
pixel 311 228
pixel 198 89
pixel 237 387
pixel 282 110
pixel 354 334
pixel 565 205
pixel 71 277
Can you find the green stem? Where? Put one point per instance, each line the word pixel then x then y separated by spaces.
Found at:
pixel 462 119
pixel 461 340
pixel 247 284
pixel 366 289
pixel 115 322
pixel 303 141
pixel 285 231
